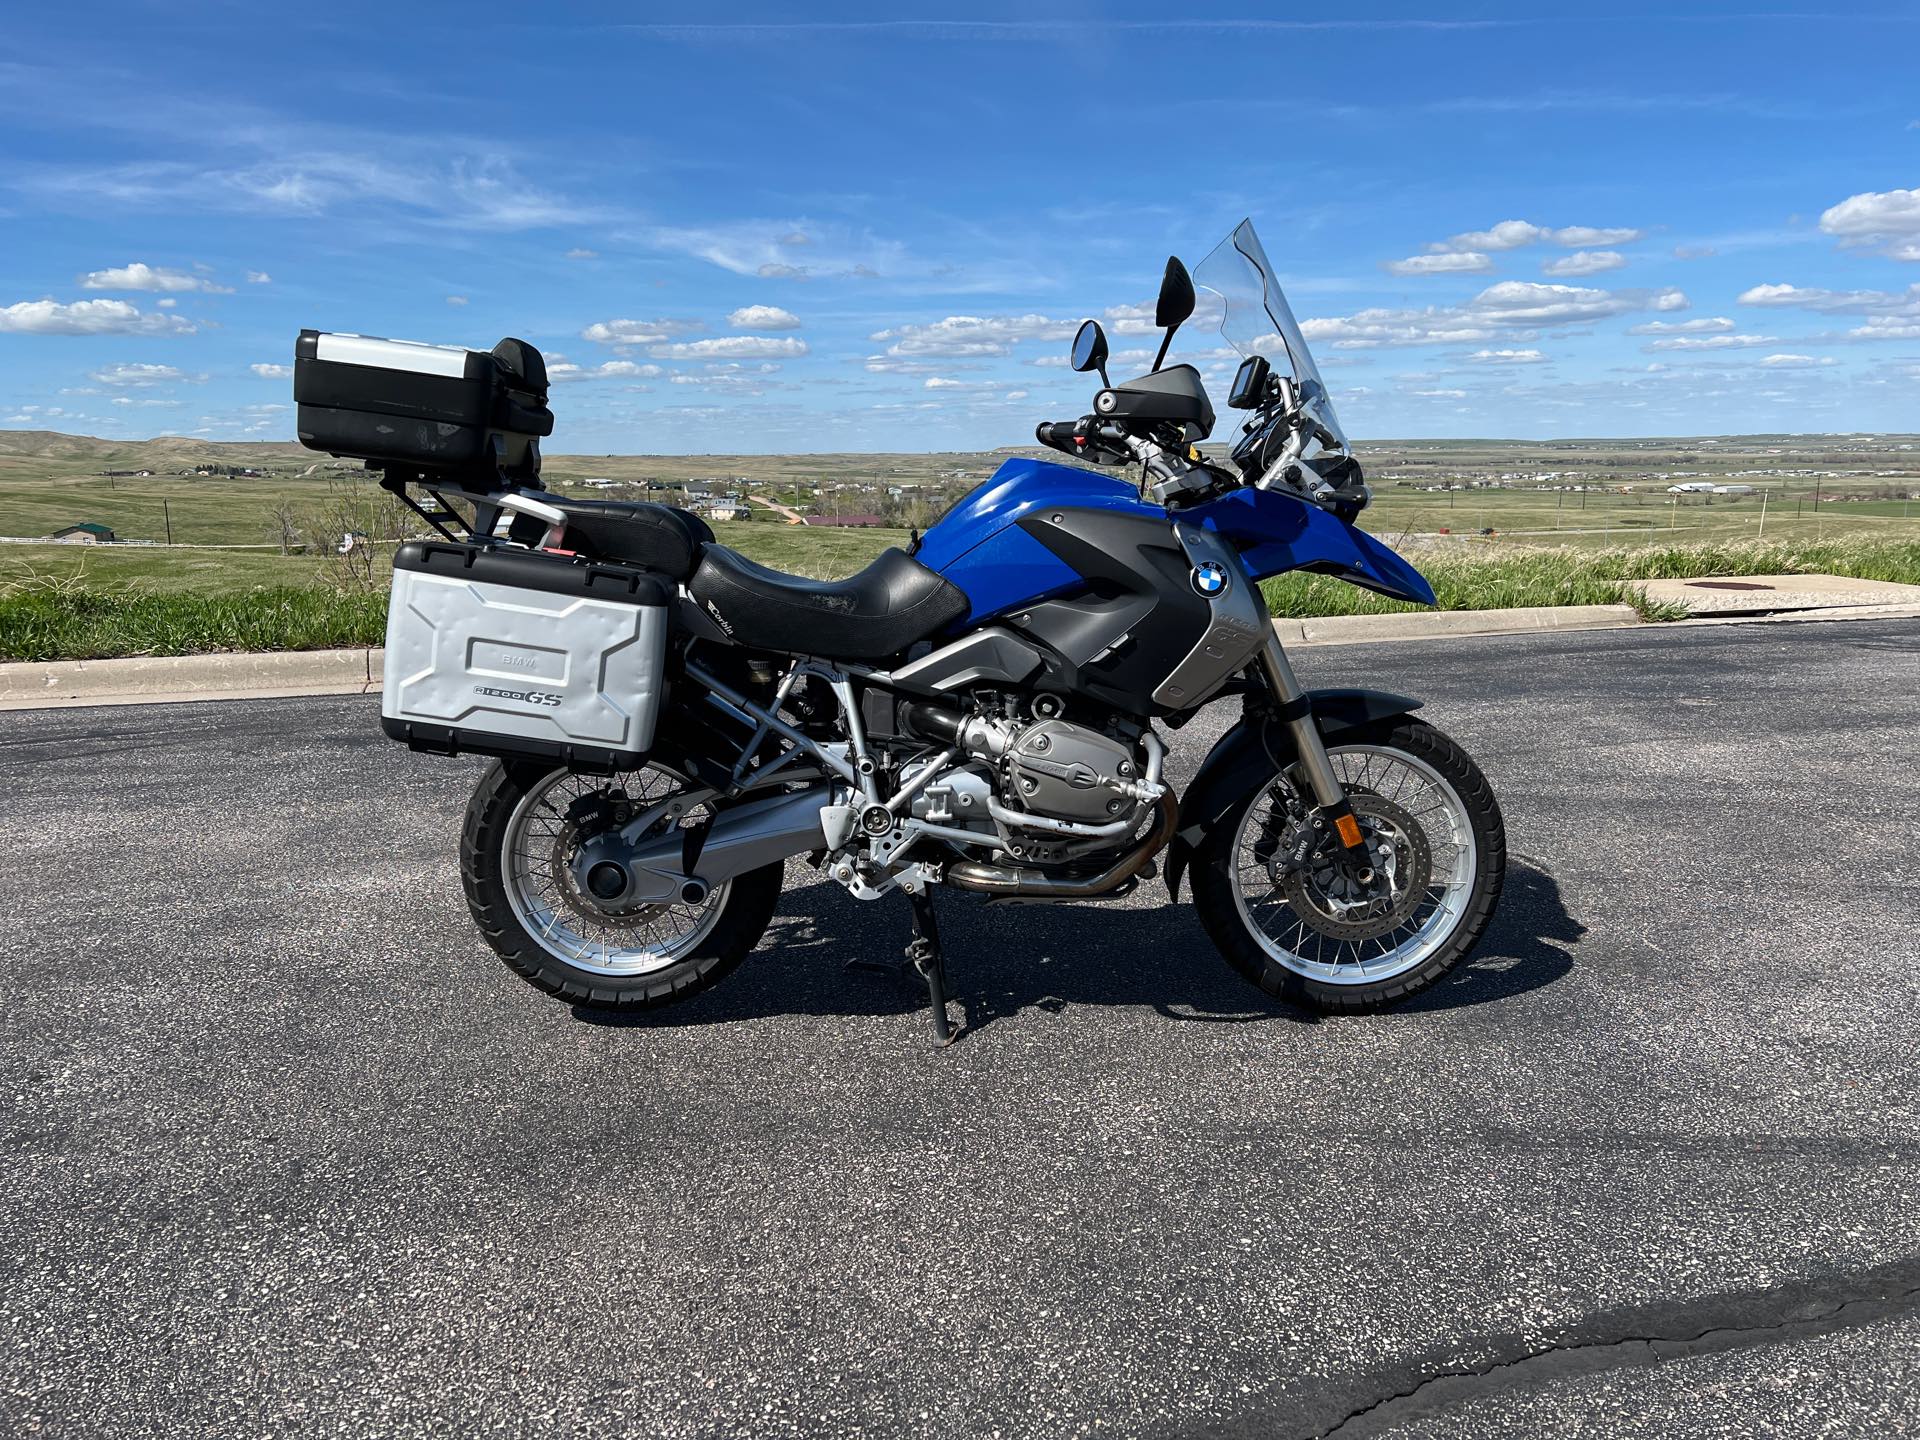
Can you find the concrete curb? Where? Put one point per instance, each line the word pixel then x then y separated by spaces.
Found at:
pixel 1441 624
pixel 154 680
pixel 160 678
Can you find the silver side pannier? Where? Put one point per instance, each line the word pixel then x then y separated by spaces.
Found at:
pixel 514 653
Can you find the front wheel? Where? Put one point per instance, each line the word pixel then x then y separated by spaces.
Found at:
pixel 524 825
pixel 1319 933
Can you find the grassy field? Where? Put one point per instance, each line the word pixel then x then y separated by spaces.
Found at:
pixel 1574 522
pixel 1492 578
pixel 77 617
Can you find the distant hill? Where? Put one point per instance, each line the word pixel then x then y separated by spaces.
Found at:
pixel 172 451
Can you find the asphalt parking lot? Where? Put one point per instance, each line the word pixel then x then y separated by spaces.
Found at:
pixel 287 1151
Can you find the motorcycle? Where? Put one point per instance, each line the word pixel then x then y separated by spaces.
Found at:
pixel 980 712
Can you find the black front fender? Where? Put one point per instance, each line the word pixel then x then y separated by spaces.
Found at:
pixel 1252 751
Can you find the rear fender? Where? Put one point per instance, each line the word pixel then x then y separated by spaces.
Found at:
pixel 1247 755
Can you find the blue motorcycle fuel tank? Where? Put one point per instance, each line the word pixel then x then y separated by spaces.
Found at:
pixel 981 546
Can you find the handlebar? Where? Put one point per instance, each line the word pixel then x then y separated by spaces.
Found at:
pixel 1062 435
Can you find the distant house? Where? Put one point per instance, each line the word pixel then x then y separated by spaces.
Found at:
pixel 85 533
pixel 725 510
pixel 856 521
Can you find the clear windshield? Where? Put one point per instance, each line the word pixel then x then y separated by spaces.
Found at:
pixel 1256 320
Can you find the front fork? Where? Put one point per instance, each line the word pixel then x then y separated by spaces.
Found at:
pixel 1331 806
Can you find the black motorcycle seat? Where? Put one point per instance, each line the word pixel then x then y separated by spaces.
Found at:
pixel 877 613
pixel 639 532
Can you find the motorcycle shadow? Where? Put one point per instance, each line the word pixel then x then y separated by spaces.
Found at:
pixel 1004 959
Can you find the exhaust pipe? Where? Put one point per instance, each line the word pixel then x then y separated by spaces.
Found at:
pixel 1039 885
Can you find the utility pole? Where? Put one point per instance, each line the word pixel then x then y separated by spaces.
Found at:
pixel 1763 514
pixel 167 515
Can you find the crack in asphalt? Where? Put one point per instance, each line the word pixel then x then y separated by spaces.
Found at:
pixel 1716 1323
pixel 1608 1340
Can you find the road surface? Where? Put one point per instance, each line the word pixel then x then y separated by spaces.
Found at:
pixel 287 1151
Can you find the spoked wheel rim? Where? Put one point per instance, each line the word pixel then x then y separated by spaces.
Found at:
pixel 1395 794
pixel 538 842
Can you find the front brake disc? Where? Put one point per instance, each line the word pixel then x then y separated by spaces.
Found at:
pixel 1328 895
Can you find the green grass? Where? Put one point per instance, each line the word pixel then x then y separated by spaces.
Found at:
pixel 69 603
pixel 49 620
pixel 1483 578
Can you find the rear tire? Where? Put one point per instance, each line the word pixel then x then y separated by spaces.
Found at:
pixel 1256 932
pixel 493 882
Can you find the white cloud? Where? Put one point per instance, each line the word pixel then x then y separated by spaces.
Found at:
pixel 1695 252
pixel 784 249
pixel 562 372
pixel 145 403
pixel 1889 219
pixel 1585 262
pixel 1578 237
pixel 1712 342
pixel 888 365
pixel 1699 325
pixel 1886 327
pixel 736 347
pixel 272 372
pixel 1521 300
pixel 259 277
pixel 763 317
pixel 1507 357
pixel 1512 234
pixel 1441 262
pixel 1507 235
pixel 1512 310
pixel 146 277
pixel 456 299
pixel 1836 302
pixel 1012 395
pixel 970 336
pixel 141 375
pixel 1130 319
pixel 1440 394
pixel 1797 362
pixel 580 253
pixel 637 332
pixel 87 317
pixel 277 170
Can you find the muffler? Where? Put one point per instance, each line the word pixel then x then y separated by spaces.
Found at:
pixel 1032 884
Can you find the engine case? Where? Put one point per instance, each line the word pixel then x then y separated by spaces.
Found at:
pixel 1068 772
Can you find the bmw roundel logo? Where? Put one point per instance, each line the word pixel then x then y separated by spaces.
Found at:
pixel 1210 578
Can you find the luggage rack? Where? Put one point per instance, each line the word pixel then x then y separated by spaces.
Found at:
pixel 444 487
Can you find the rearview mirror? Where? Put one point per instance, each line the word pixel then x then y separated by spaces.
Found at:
pixel 1174 305
pixel 1176 296
pixel 1090 348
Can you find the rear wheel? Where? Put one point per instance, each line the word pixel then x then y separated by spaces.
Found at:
pixel 1319 933
pixel 524 825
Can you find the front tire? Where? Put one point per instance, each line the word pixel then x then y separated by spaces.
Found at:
pixel 520 823
pixel 1435 823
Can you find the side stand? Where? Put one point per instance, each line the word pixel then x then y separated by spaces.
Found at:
pixel 923 953
pixel 924 958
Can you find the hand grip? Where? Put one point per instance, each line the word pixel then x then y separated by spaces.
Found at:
pixel 1058 435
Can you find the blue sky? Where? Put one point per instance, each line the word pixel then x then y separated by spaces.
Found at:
pixel 872 229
